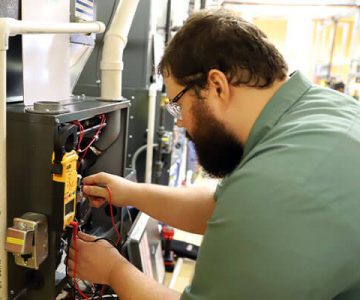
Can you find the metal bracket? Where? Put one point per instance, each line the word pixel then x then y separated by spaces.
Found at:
pixel 28 240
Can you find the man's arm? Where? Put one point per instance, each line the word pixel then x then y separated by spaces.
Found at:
pixel 188 209
pixel 129 283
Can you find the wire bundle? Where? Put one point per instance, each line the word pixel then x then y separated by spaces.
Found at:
pixel 82 134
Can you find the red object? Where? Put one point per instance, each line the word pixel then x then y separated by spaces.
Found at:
pixel 81 135
pixel 168 232
pixel 75 227
pixel 112 216
pixel 168 235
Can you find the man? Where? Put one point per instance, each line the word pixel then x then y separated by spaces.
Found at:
pixel 285 221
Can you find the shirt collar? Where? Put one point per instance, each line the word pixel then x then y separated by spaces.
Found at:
pixel 288 94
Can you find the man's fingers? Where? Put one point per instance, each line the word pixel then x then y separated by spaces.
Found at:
pixel 97 202
pixel 95 191
pixel 70 265
pixel 95 179
pixel 71 253
pixel 86 237
pixel 71 246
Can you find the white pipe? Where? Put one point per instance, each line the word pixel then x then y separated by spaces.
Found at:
pixel 11 27
pixel 3 209
pixel 112 56
pixel 15 27
pixel 150 132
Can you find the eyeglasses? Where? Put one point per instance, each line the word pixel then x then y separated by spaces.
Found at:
pixel 173 107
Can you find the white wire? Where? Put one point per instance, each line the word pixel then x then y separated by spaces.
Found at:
pixel 129 215
pixel 113 296
pixel 136 154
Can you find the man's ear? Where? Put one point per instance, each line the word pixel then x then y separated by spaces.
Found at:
pixel 218 82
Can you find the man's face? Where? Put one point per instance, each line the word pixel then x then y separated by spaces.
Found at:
pixel 218 150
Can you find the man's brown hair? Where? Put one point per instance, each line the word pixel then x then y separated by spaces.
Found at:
pixel 222 40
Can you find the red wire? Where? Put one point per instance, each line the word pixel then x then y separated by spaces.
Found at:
pixel 112 216
pixel 74 234
pixel 95 136
pixel 114 226
pixel 82 130
pixel 81 135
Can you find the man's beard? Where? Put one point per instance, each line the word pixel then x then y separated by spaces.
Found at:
pixel 218 150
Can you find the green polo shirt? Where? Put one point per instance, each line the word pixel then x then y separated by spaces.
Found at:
pixel 287 220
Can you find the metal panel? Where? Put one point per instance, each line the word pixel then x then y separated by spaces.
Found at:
pixel 30 187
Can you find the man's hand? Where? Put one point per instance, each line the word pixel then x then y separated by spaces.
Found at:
pixel 95 261
pixel 94 187
pixel 100 262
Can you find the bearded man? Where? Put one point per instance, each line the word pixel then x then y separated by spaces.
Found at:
pixel 284 223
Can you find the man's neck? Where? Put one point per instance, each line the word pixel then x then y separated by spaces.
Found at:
pixel 247 107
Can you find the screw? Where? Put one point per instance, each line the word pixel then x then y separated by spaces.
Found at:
pixel 22 226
